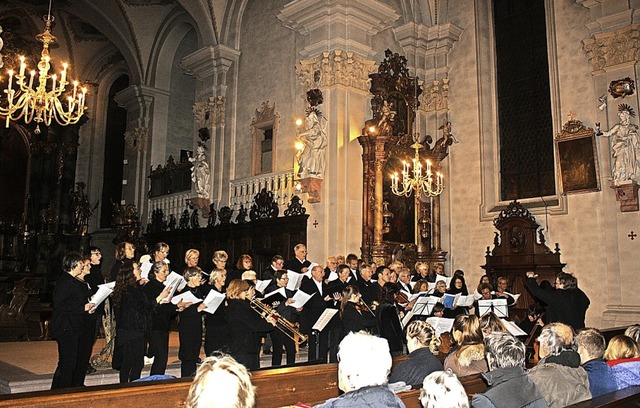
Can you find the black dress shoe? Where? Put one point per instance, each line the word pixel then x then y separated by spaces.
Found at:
pixel 91 369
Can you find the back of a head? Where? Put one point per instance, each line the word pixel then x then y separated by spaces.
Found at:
pixel 591 344
pixel 466 330
pixel 555 338
pixel 364 360
pixel 633 332
pixel 504 350
pixel 490 323
pixel 221 382
pixel 620 347
pixel 442 389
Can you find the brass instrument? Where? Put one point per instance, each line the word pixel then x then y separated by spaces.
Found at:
pixel 282 324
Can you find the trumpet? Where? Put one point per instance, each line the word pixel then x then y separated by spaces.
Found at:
pixel 282 324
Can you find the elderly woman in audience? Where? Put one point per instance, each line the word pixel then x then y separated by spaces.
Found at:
pixel 216 330
pixel 221 382
pixel 509 385
pixel 364 365
pixel 468 355
pixel 190 323
pixel 160 317
pixel 442 389
pixel 558 375
pixel 591 347
pixel 68 325
pixel 133 316
pixel 245 324
pixel 622 356
pixel 422 344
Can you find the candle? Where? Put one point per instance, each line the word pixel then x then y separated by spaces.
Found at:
pixel 54 77
pixel 75 89
pixel 23 66
pixel 10 78
pixel 33 74
pixel 63 76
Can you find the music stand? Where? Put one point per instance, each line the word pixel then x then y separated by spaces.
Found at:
pixel 497 306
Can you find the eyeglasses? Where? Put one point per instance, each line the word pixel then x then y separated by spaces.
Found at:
pixel 96 253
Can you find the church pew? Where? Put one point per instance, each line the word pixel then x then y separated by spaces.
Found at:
pixel 628 397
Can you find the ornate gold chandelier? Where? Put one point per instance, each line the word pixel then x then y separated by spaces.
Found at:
pixel 427 184
pixel 48 100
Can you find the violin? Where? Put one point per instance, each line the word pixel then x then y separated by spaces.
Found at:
pixel 361 307
pixel 401 298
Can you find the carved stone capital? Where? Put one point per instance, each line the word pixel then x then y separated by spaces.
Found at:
pixel 335 67
pixel 136 139
pixel 435 96
pixel 606 50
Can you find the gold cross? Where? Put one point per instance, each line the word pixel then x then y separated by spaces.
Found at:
pixel 571 115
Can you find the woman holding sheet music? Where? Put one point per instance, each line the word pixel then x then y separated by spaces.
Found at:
pixel 281 305
pixel 457 286
pixel 245 324
pixel 132 311
pixel 216 335
pixel 160 317
pixel 190 324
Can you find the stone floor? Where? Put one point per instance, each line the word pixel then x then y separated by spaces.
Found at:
pixel 29 366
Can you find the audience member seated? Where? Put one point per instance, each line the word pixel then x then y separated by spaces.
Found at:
pixel 558 375
pixel 422 343
pixel 633 332
pixel 622 356
pixel 591 346
pixel 490 323
pixel 508 383
pixel 221 382
pixel 364 364
pixel 442 389
pixel 467 357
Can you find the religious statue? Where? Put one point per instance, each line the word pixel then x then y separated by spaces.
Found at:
pixel 625 145
pixel 200 171
pixel 81 209
pixel 311 158
pixel 387 117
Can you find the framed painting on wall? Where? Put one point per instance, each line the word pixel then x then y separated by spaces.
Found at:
pixel 577 158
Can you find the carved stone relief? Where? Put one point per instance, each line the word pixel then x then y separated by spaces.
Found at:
pixel 612 48
pixel 436 96
pixel 335 67
pixel 210 112
pixel 136 139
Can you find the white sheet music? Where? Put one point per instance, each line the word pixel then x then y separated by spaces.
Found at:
pixel 295 280
pixel 513 328
pixel 300 299
pixel 324 319
pixel 497 306
pixel 103 292
pixel 332 276
pixel 440 324
pixel 280 291
pixel 176 282
pixel 186 297
pixel 261 285
pixel 145 267
pixel 213 301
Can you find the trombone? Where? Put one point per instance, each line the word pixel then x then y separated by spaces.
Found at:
pixel 282 324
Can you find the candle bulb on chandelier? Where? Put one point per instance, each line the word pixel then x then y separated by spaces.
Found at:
pixel 23 66
pixel 10 79
pixel 63 76
pixel 33 74
pixel 54 77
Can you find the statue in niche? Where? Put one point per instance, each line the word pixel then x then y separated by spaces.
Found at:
pixel 200 172
pixel 311 158
pixel 387 117
pixel 625 145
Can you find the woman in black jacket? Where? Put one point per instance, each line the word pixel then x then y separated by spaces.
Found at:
pixel 132 310
pixel 245 324
pixel 70 305
pixel 160 317
pixel 355 314
pixel 388 320
pixel 190 323
pixel 216 335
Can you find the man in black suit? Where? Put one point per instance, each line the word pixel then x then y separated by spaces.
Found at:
pixel 404 279
pixel 332 265
pixel 352 262
pixel 366 285
pixel 277 263
pixel 299 263
pixel 312 310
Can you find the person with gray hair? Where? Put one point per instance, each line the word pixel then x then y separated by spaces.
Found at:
pixel 558 375
pixel 221 382
pixel 442 389
pixel 591 347
pixel 633 331
pixel 508 383
pixel 364 363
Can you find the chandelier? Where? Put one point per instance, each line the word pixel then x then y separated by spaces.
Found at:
pixel 427 184
pixel 48 99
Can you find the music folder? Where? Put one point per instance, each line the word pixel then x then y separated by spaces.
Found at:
pixel 324 319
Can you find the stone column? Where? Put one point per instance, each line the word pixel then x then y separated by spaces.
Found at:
pixel 211 66
pixel 337 59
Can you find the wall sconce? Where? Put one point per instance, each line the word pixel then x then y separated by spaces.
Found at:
pixel 386 217
pixel 425 224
